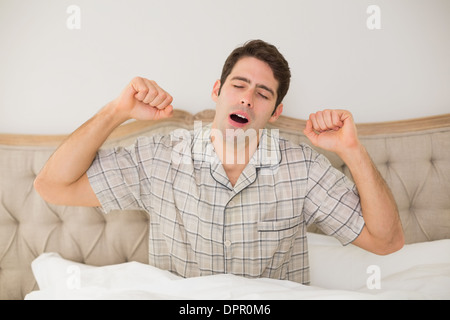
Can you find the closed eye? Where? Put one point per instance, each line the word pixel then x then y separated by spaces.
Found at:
pixel 263 96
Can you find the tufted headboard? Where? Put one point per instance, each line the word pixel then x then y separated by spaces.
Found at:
pixel 413 156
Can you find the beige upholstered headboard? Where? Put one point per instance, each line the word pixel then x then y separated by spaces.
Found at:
pixel 413 156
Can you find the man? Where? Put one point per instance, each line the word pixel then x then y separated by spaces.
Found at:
pixel 223 205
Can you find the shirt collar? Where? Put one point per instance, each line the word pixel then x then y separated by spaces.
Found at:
pixel 268 152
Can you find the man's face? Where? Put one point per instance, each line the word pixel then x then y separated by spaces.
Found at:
pixel 247 98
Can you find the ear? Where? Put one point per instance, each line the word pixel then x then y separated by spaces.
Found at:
pixel 277 113
pixel 215 92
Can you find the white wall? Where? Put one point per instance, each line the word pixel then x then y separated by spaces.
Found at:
pixel 52 78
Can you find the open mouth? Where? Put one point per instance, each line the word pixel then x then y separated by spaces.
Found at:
pixel 239 118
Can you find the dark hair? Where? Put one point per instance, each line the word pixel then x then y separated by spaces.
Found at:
pixel 265 52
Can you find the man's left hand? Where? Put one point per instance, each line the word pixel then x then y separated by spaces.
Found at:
pixel 332 130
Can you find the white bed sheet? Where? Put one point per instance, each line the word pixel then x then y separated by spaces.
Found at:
pixel 418 271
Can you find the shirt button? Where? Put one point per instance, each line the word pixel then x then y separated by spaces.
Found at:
pixel 227 243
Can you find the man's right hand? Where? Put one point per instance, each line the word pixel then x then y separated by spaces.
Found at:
pixel 143 99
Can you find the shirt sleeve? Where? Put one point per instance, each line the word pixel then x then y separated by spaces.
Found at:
pixel 115 177
pixel 332 201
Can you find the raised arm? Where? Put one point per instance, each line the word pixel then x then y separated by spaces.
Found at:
pixel 63 179
pixel 335 130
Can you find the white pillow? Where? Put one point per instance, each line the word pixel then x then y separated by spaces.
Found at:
pixel 334 266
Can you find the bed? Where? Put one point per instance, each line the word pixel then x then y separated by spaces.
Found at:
pixel 57 252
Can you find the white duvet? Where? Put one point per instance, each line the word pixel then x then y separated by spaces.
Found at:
pixel 418 271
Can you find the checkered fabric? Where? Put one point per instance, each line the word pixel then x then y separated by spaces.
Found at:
pixel 202 225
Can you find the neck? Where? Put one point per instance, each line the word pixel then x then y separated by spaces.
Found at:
pixel 235 152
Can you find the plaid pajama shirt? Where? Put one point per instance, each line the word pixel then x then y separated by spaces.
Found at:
pixel 201 225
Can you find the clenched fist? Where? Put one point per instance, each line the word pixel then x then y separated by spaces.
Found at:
pixel 332 130
pixel 144 99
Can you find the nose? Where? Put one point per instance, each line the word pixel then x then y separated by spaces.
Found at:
pixel 247 100
pixel 244 102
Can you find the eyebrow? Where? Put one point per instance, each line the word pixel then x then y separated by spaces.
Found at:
pixel 257 85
